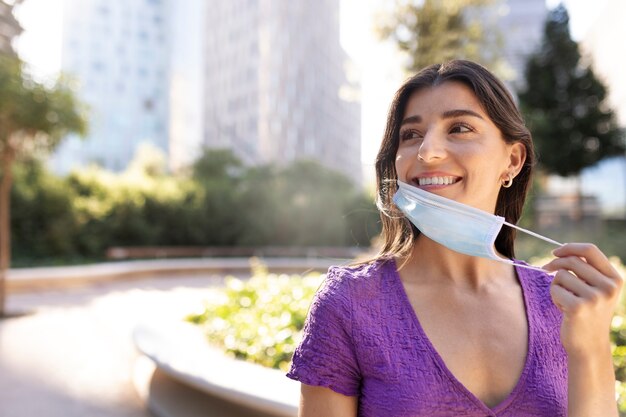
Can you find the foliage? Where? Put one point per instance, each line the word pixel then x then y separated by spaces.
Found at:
pixel 219 202
pixel 43 217
pixel 33 118
pixel 259 319
pixel 304 204
pixel 134 208
pixel 564 103
pixel 435 31
pixel 218 173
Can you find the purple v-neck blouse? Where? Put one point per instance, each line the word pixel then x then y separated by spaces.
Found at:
pixel 362 338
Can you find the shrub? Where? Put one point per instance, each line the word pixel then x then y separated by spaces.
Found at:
pixel 260 319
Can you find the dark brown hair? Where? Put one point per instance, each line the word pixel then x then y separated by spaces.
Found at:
pixel 398 234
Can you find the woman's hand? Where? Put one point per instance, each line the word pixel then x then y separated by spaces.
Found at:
pixel 586 289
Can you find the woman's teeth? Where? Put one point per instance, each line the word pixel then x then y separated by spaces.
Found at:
pixel 436 181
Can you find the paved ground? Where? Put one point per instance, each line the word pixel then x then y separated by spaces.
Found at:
pixel 73 355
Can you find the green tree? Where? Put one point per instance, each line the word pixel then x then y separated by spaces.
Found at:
pixel 435 31
pixel 305 204
pixel 564 104
pixel 215 165
pixel 33 118
pixel 219 173
pixel 43 221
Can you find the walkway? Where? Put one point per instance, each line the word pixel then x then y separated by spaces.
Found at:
pixel 73 355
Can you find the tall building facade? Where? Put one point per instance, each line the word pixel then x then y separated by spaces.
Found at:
pixel 9 26
pixel 521 24
pixel 601 44
pixel 127 58
pixel 275 73
pixel 516 27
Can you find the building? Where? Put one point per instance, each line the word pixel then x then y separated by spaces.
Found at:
pixel 556 212
pixel 9 26
pixel 275 73
pixel 521 24
pixel 129 60
pixel 515 28
pixel 602 45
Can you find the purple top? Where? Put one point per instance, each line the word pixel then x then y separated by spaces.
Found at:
pixel 362 338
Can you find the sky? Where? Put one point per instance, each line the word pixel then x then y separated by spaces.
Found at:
pixel 376 62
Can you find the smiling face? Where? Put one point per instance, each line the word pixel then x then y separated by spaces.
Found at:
pixel 449 146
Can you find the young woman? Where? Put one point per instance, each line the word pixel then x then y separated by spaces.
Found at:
pixel 427 329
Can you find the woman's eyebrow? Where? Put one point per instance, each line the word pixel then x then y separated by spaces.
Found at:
pixel 446 115
pixel 411 119
pixel 460 112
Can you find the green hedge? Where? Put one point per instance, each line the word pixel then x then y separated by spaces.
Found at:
pixel 216 202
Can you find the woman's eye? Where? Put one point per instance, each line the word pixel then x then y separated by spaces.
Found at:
pixel 461 128
pixel 410 134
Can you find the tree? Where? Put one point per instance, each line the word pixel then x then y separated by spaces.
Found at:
pixel 435 31
pixel 564 104
pixel 219 172
pixel 33 118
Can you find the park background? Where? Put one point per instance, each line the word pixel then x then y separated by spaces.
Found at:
pixel 198 128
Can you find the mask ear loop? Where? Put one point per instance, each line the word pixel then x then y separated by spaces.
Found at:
pixel 538 236
pixel 534 268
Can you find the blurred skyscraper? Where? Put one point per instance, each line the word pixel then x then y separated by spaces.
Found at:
pixel 132 64
pixel 276 87
pixel 603 44
pixel 9 26
pixel 521 25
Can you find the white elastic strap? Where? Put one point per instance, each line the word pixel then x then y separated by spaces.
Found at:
pixel 535 268
pixel 537 235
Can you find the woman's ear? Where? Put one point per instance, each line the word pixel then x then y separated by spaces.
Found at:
pixel 517 157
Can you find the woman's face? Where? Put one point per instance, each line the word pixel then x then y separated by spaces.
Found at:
pixel 449 146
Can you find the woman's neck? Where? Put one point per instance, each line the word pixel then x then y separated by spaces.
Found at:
pixel 431 261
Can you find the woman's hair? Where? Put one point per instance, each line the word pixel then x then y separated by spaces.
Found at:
pixel 398 233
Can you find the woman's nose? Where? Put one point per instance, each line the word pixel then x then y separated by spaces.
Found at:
pixel 432 148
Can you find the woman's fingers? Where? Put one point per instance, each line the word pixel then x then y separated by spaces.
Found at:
pixel 585 277
pixel 584 272
pixel 585 288
pixel 591 254
pixel 564 299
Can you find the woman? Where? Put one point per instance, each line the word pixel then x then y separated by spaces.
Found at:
pixel 425 330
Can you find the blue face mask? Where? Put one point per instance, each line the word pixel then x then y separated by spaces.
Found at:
pixel 456 226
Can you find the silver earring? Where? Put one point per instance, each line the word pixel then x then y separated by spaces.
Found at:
pixel 508 181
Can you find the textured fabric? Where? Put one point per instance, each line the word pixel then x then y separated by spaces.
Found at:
pixel 363 339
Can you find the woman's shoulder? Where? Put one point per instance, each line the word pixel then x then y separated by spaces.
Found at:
pixel 358 280
pixel 361 274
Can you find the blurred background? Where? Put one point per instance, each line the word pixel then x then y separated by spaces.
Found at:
pixel 161 129
pixel 194 111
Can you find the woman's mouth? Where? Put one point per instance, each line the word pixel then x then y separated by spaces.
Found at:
pixel 437 181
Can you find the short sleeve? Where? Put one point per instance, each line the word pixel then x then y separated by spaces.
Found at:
pixel 326 355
